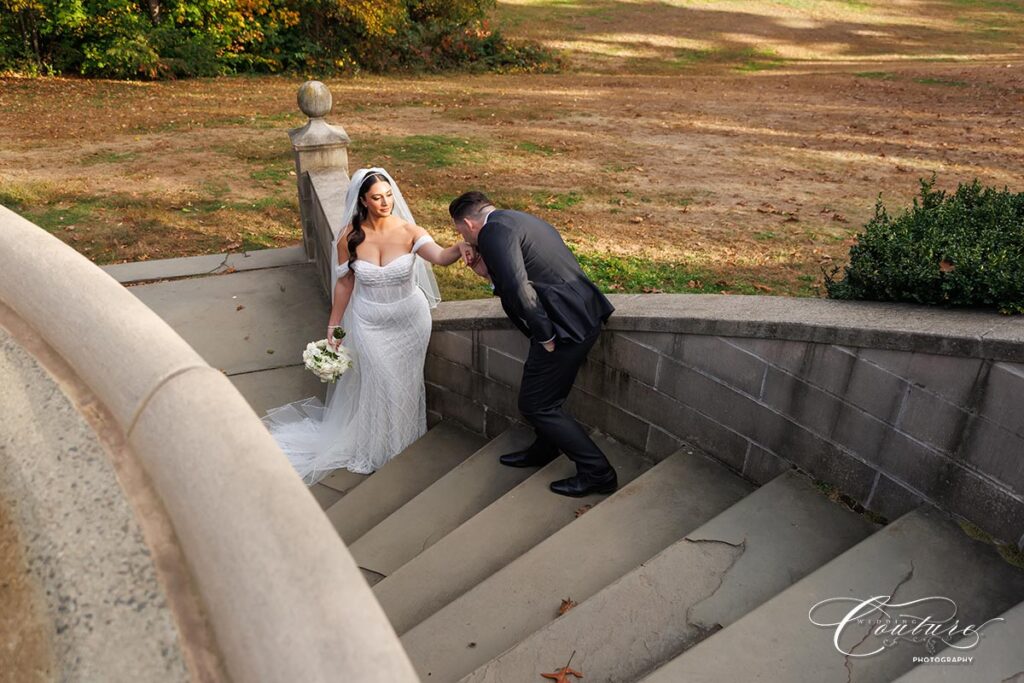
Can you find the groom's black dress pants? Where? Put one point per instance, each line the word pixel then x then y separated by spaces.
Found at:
pixel 547 380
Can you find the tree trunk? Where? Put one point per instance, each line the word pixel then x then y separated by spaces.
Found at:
pixel 154 11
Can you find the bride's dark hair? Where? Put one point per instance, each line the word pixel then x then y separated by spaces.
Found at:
pixel 356 236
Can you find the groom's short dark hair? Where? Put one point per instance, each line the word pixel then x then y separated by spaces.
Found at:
pixel 468 204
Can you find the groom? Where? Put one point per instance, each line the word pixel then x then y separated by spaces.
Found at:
pixel 548 297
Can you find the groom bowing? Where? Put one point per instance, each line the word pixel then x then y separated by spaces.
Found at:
pixel 548 297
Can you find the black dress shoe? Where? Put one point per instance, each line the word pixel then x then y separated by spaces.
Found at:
pixel 585 484
pixel 526 459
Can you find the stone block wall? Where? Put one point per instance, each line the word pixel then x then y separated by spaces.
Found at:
pixel 891 428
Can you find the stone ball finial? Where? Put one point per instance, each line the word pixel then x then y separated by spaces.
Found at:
pixel 315 99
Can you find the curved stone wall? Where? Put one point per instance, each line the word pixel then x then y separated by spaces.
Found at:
pixel 282 597
pixel 892 404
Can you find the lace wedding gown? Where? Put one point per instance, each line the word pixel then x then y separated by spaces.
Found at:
pixel 378 407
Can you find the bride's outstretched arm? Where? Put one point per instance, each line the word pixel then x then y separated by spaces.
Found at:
pixel 434 252
pixel 438 256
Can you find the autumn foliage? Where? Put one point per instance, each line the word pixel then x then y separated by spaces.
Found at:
pixel 183 38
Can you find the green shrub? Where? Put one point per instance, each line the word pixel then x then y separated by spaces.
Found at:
pixel 184 38
pixel 439 46
pixel 121 56
pixel 959 249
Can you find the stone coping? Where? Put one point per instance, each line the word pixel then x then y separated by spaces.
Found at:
pixel 331 186
pixel 282 594
pixel 902 327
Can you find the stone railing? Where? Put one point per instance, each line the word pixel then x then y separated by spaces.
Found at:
pixel 321 168
pixel 891 404
pixel 281 595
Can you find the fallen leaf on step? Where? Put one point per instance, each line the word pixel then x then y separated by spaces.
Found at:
pixel 562 675
pixel 239 307
pixel 229 269
pixel 567 604
pixel 582 510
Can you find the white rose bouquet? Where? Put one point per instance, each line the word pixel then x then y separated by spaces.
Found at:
pixel 326 362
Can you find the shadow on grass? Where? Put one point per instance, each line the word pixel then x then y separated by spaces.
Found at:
pixel 654 34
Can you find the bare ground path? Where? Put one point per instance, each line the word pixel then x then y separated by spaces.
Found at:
pixel 707 146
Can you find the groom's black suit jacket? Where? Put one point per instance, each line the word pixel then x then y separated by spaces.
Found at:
pixel 542 287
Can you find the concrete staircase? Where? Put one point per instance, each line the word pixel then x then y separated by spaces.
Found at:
pixel 686 573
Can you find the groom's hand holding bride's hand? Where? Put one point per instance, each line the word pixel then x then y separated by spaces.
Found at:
pixel 473 260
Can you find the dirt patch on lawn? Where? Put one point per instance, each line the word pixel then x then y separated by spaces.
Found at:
pixel 745 141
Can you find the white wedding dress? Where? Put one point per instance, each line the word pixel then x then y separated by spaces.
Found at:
pixel 378 406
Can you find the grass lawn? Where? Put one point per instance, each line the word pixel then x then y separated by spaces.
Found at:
pixel 690 145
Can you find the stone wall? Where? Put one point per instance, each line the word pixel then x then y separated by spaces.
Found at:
pixel 216 500
pixel 766 383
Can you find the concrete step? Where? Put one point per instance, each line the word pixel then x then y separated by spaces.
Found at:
pixel 997 657
pixel 495 536
pixel 921 555
pixel 244 322
pixel 325 495
pixel 343 481
pixel 268 389
pixel 655 510
pixel 402 478
pixel 448 502
pixel 712 577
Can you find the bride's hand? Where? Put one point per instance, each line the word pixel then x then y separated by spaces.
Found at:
pixel 331 341
pixel 474 261
pixel 479 267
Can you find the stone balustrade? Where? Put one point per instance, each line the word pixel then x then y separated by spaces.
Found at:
pixel 277 592
pixel 891 404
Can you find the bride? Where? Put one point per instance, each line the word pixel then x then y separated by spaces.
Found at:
pixel 382 294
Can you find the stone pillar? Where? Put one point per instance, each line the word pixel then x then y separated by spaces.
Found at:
pixel 318 146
